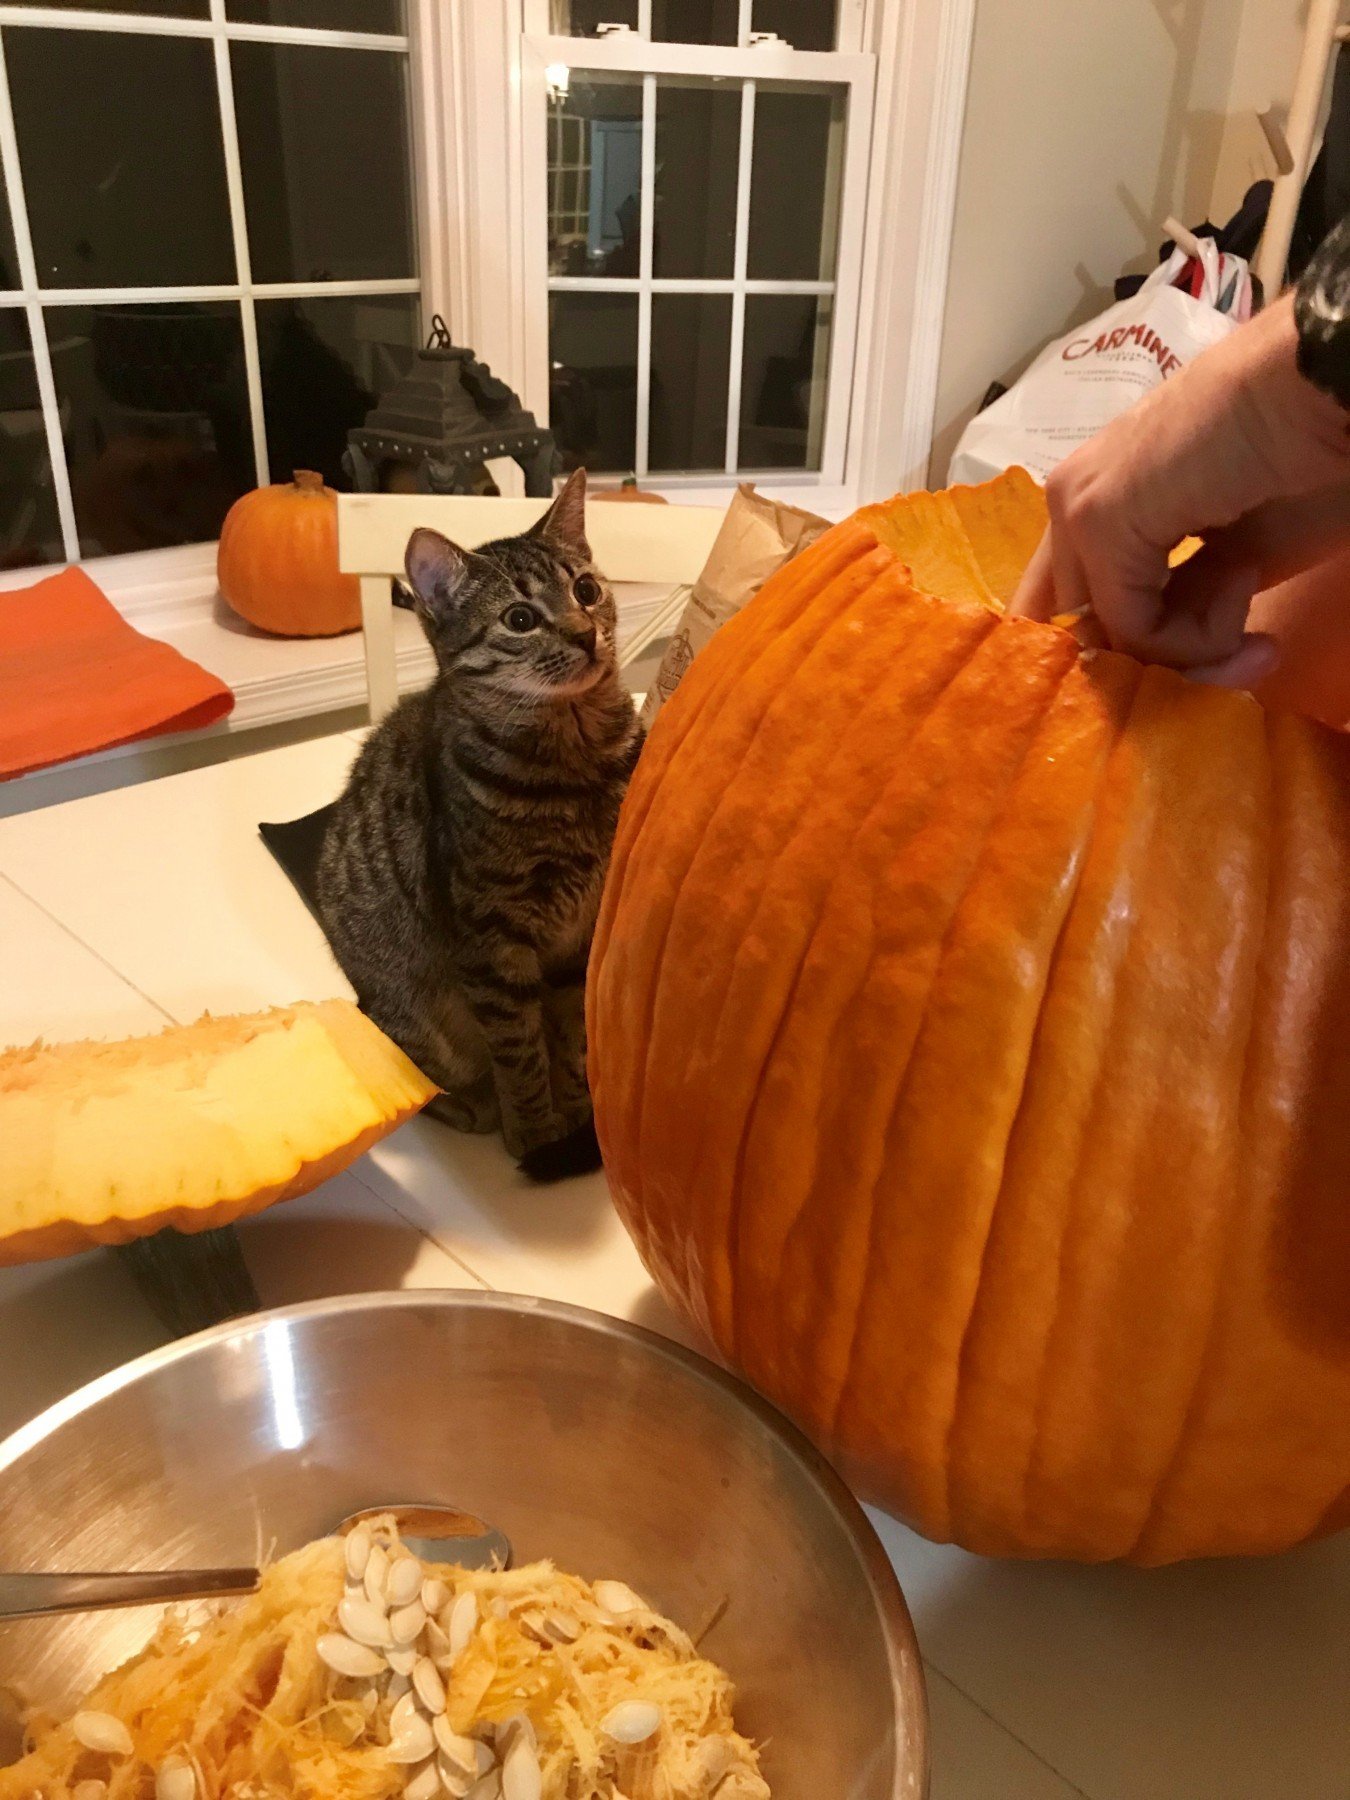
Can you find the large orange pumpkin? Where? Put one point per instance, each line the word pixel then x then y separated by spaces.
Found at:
pixel 277 564
pixel 970 1026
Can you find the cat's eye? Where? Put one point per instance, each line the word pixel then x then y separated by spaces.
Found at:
pixel 586 590
pixel 520 618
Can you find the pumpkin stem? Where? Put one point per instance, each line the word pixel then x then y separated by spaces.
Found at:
pixel 307 481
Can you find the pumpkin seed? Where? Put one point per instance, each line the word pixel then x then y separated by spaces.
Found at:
pixel 403 1714
pixel 434 1594
pixel 175 1780
pixel 427 1685
pixel 463 1622
pixel 618 1598
pixel 403 1660
pixel 632 1721
pixel 346 1657
pixel 396 1687
pixel 377 1568
pixel 438 1644
pixel 522 1778
pixel 356 1551
pixel 407 1623
pixel 101 1731
pixel 461 1753
pixel 414 1744
pixel 489 1788
pixel 89 1790
pixel 403 1582
pixel 364 1622
pixel 562 1627
pixel 425 1784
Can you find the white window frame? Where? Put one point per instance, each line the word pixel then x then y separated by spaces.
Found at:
pixel 152 577
pixel 922 55
pixel 647 62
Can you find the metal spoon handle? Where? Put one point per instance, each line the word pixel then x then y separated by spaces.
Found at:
pixel 30 1596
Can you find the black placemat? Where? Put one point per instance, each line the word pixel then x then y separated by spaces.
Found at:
pixel 297 845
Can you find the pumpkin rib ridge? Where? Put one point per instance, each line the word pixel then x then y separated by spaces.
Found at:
pixel 1053 960
pixel 861 725
pixel 1073 1189
pixel 779 700
pixel 1235 1215
pixel 691 838
pixel 827 894
pixel 845 1391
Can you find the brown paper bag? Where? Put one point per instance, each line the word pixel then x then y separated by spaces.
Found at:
pixel 757 537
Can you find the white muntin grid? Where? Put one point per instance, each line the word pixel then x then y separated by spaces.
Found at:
pixel 33 297
pixel 635 53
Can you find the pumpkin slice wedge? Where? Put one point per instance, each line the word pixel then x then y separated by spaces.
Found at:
pixel 201 1125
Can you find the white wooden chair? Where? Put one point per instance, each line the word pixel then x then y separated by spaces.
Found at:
pixel 647 545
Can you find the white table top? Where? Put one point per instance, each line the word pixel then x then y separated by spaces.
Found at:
pixel 124 911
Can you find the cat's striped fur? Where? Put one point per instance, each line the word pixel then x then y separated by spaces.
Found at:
pixel 461 873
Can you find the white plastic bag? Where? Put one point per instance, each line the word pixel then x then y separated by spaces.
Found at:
pixel 1078 384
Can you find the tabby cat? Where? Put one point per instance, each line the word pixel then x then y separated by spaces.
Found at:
pixel 461 871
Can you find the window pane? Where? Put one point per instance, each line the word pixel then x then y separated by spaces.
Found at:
pixel 805 24
pixel 324 365
pixel 119 138
pixel 154 411
pixel 592 342
pixel 9 262
pixel 321 15
pixel 595 176
pixel 579 18
pixel 698 134
pixel 169 9
pixel 30 530
pixel 783 374
pixel 691 350
pixel 794 183
pixel 323 139
pixel 695 21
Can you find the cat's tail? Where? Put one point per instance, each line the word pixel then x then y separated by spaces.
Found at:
pixel 576 1154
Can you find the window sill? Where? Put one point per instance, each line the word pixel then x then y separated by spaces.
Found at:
pixel 277 682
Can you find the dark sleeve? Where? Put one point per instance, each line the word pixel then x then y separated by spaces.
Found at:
pixel 1322 315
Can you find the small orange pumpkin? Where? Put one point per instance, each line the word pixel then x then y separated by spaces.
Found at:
pixel 277 564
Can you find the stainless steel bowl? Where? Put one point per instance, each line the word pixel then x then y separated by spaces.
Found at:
pixel 588 1441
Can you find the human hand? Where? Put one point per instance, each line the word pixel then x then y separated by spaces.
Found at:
pixel 1237 448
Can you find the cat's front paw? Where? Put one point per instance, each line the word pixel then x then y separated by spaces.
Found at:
pixel 577 1152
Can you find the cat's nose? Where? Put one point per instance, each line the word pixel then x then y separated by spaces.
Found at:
pixel 581 632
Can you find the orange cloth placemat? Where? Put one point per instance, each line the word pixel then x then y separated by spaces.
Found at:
pixel 75 677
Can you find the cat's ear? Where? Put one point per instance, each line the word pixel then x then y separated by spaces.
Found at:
pixel 436 569
pixel 564 524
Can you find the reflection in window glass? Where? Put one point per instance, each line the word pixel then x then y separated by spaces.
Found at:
pixel 324 364
pixel 321 15
pixel 698 136
pixel 783 374
pixel 30 530
pixel 154 405
pixel 805 24
pixel 794 183
pixel 579 18
pixel 323 138
pixel 595 176
pixel 593 379
pixel 123 161
pixel 691 353
pixel 696 21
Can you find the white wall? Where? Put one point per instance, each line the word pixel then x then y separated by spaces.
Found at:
pixel 1087 122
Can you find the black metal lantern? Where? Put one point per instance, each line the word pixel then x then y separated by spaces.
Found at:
pixel 437 427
